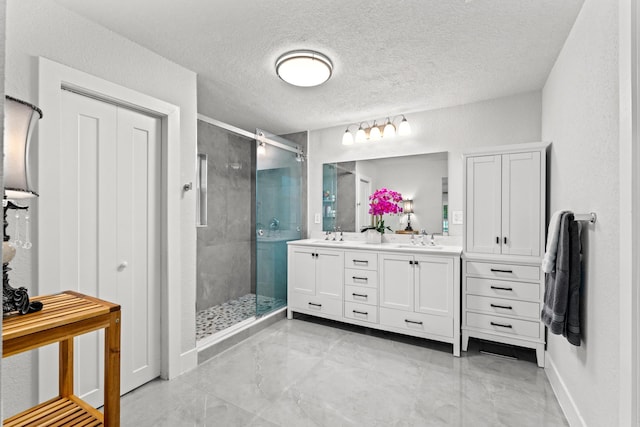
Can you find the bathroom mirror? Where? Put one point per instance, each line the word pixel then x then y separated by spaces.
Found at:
pixel 421 178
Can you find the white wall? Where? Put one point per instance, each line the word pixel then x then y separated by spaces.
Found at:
pixel 580 116
pixel 3 7
pixel 508 120
pixel 43 28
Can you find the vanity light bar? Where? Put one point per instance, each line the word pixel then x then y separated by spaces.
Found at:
pixel 376 131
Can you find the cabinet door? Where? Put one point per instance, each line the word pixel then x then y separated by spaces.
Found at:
pixel 483 224
pixel 302 268
pixel 434 285
pixel 396 281
pixel 329 273
pixel 521 189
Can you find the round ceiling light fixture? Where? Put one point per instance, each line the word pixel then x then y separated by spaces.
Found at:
pixel 305 68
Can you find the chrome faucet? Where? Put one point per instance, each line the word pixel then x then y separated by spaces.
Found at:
pixel 423 233
pixel 341 234
pixel 334 234
pixel 326 233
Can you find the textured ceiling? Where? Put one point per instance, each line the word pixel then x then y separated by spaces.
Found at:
pixel 389 57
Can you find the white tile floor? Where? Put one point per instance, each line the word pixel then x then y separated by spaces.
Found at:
pixel 308 372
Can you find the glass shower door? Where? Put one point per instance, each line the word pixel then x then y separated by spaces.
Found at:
pixel 278 219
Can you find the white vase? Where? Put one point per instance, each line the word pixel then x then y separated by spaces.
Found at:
pixel 374 237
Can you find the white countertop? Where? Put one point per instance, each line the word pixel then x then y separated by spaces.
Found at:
pixel 386 247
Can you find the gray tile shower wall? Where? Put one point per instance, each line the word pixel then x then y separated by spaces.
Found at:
pixel 226 247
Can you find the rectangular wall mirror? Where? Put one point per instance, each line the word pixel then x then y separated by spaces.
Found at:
pixel 421 178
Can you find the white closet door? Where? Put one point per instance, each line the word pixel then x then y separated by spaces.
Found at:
pixel 110 239
pixel 138 246
pixel 87 249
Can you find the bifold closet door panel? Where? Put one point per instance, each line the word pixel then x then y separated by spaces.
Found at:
pixel 87 246
pixel 109 246
pixel 138 187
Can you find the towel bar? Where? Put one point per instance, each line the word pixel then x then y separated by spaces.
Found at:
pixel 591 217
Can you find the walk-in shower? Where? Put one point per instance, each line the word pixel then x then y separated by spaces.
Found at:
pixel 250 205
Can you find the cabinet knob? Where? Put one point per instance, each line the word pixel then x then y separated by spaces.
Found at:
pixel 123 265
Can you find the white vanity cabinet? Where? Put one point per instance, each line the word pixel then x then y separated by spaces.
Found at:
pixel 404 290
pixel 361 286
pixel 315 280
pixel 420 294
pixel 503 283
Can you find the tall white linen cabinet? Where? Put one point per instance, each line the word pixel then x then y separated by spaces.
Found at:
pixel 504 238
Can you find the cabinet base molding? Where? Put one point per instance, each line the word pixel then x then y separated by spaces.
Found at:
pixel 455 341
pixel 538 346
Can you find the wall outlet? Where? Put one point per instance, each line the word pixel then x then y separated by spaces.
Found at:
pixel 456 217
pixel 317 218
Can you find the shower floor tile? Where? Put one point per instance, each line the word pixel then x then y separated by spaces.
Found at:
pixel 220 317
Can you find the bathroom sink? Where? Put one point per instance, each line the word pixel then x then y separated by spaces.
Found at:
pixel 339 242
pixel 403 245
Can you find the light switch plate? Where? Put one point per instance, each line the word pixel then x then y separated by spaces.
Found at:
pixel 317 218
pixel 456 217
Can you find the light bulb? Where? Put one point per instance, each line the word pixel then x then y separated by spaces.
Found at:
pixel 347 138
pixel 261 149
pixel 374 133
pixel 389 130
pixel 361 136
pixel 404 128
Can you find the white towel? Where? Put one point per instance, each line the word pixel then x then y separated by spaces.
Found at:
pixel 549 260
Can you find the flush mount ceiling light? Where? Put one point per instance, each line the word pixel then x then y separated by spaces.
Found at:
pixel 376 131
pixel 305 68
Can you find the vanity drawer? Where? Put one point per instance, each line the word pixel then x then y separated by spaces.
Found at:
pixel 416 322
pixel 361 277
pixel 363 312
pixel 361 295
pixel 503 271
pixel 503 289
pixel 361 260
pixel 507 307
pixel 505 325
pixel 312 304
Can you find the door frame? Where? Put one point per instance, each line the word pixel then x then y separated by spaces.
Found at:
pixel 360 178
pixel 52 77
pixel 629 102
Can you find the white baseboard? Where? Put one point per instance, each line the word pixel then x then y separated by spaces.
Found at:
pixel 188 360
pixel 567 404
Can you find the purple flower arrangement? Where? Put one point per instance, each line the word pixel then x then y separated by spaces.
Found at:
pixel 383 201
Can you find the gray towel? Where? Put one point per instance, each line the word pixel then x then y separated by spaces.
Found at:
pixel 549 260
pixel 561 309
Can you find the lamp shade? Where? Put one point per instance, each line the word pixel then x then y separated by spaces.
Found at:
pixel 404 128
pixel 20 118
pixel 347 138
pixel 407 206
pixel 389 130
pixel 374 133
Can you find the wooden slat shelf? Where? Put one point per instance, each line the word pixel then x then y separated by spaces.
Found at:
pixel 61 411
pixel 64 316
